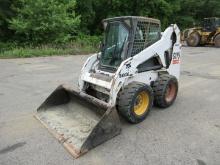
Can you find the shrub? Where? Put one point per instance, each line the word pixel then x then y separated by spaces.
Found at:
pixel 38 21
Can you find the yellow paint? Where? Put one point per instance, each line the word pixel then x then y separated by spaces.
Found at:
pixel 205 33
pixel 143 100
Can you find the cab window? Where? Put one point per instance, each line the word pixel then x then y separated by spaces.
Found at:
pixel 153 33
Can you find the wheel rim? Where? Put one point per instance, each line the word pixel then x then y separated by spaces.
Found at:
pixel 141 103
pixel 170 92
pixel 192 40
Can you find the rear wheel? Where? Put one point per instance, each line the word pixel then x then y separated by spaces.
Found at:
pixel 217 40
pixel 193 39
pixel 135 102
pixel 165 90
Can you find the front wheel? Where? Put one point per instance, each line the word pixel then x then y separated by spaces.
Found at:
pixel 135 102
pixel 165 90
pixel 193 39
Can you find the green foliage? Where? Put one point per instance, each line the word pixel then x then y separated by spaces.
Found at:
pixel 42 21
pixel 184 13
pixel 85 8
pixel 192 12
pixel 65 26
pixel 6 13
pixel 80 45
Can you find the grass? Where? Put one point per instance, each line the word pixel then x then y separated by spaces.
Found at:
pixel 24 52
pixel 76 47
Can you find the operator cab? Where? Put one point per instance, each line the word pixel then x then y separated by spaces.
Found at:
pixel 211 24
pixel 125 37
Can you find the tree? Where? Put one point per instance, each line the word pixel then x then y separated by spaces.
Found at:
pixel 87 13
pixel 184 13
pixel 42 21
pixel 6 13
pixel 193 12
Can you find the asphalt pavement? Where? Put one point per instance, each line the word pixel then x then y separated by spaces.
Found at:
pixel 187 133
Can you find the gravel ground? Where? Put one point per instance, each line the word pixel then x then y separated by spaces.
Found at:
pixel 186 133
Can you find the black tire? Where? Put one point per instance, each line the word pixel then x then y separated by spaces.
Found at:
pixel 127 100
pixel 217 41
pixel 193 39
pixel 162 97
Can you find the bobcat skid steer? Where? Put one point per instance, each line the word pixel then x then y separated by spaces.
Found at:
pixel 138 66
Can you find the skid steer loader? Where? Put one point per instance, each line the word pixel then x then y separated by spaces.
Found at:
pixel 138 66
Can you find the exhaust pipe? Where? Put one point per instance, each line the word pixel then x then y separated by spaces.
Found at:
pixel 79 121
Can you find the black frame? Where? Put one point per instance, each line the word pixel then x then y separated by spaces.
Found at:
pixel 131 26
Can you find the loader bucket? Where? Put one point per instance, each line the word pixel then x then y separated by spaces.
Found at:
pixel 79 121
